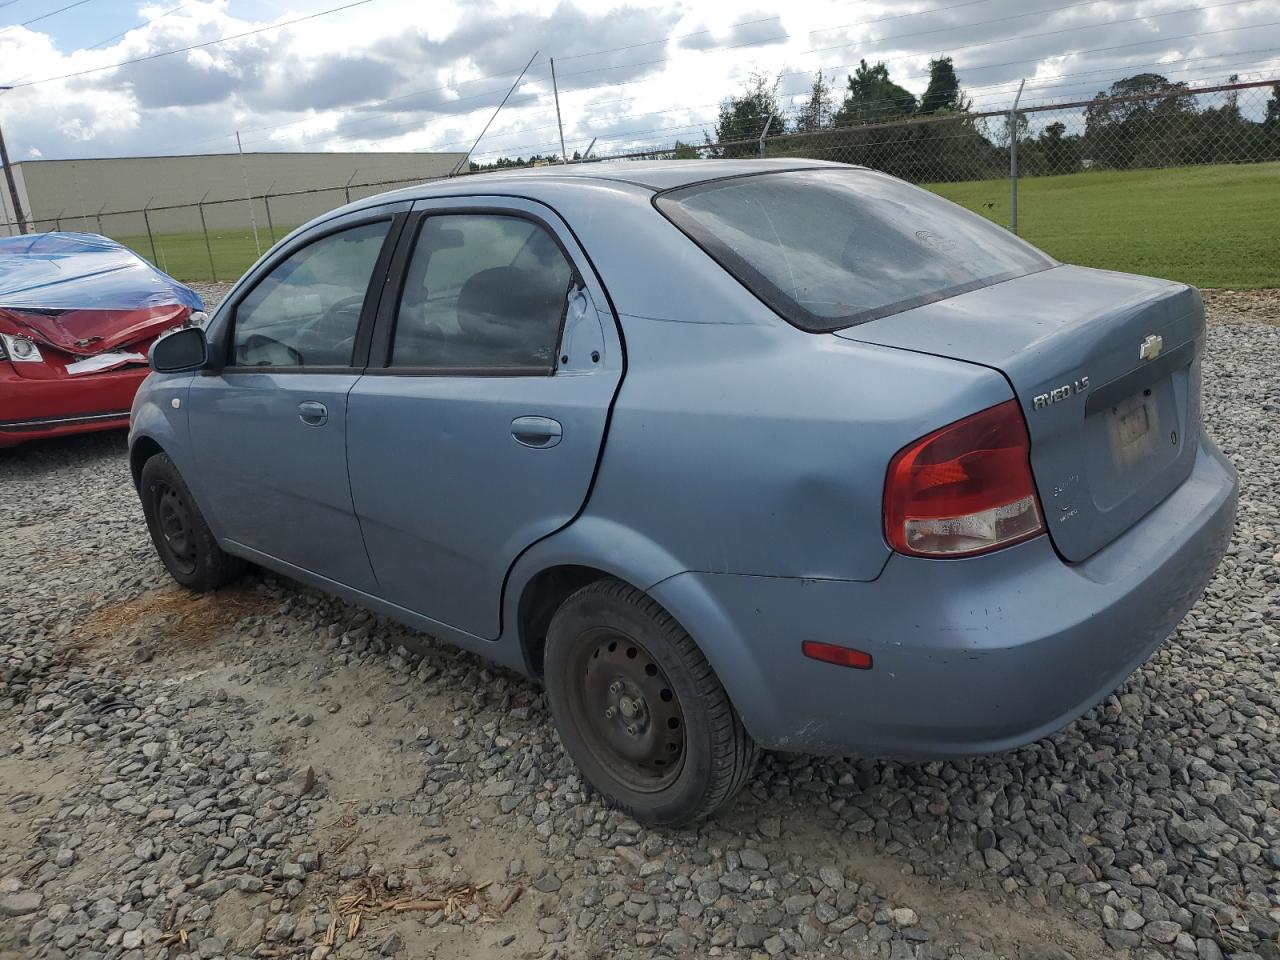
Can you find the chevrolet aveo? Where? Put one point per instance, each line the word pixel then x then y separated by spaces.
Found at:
pixel 732 454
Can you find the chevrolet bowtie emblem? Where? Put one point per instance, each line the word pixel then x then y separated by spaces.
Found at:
pixel 1151 347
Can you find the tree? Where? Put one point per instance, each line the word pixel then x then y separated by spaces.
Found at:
pixel 1271 120
pixel 943 92
pixel 744 117
pixel 871 96
pixel 1060 152
pixel 682 151
pixel 1142 120
pixel 817 111
pixel 1003 133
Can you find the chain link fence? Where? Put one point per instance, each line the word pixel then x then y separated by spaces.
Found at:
pixel 969 156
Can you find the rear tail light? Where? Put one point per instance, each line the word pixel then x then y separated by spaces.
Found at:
pixel 964 489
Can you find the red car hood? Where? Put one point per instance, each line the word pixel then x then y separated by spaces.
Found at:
pixel 84 333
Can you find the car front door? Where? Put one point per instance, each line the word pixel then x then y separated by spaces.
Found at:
pixel 269 428
pixel 478 424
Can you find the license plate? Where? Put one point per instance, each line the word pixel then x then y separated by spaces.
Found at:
pixel 1133 425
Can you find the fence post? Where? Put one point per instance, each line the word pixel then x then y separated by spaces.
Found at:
pixel 98 217
pixel 266 202
pixel 765 132
pixel 1013 159
pixel 146 218
pixel 57 221
pixel 204 227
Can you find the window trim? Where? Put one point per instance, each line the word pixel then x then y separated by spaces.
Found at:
pixel 368 309
pixel 383 342
pixel 772 296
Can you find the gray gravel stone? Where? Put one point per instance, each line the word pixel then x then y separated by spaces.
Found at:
pixel 1150 824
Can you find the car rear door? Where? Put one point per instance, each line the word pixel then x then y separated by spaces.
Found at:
pixel 269 429
pixel 477 426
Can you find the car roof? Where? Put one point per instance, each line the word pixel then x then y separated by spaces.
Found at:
pixel 651 175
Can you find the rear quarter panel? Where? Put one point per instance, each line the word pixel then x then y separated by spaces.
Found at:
pixel 737 443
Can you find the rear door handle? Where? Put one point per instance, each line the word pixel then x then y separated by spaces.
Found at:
pixel 313 413
pixel 537 432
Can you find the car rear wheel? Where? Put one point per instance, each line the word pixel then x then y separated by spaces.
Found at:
pixel 178 529
pixel 640 710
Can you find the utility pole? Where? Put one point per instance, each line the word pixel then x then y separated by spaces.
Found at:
pixel 253 218
pixel 13 186
pixel 564 157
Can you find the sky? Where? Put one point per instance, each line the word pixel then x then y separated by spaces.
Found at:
pixel 413 76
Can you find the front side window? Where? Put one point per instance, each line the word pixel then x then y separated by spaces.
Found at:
pixel 304 313
pixel 830 248
pixel 482 291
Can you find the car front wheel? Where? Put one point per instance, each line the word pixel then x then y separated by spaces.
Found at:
pixel 184 541
pixel 640 710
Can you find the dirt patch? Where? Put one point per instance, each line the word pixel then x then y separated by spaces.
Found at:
pixel 159 616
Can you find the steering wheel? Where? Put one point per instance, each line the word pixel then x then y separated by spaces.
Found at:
pixel 258 342
pixel 337 309
pixel 321 324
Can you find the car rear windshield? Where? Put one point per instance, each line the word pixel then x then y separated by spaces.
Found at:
pixel 831 248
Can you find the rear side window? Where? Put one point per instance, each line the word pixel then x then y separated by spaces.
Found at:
pixel 832 248
pixel 482 291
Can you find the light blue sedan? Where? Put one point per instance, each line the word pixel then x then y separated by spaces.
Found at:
pixel 732 454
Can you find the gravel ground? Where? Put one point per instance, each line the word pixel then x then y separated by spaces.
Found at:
pixel 271 773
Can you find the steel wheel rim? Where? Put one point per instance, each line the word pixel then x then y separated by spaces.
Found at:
pixel 627 711
pixel 176 530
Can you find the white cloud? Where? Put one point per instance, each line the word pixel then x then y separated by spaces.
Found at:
pixel 385 77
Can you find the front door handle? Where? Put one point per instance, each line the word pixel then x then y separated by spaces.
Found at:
pixel 313 413
pixel 537 432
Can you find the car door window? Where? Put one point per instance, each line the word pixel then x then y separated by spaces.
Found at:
pixel 482 291
pixel 304 313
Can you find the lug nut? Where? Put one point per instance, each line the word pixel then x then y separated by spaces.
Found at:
pixel 609 713
pixel 615 687
pixel 631 729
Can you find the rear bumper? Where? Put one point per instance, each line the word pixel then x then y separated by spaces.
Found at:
pixel 970 656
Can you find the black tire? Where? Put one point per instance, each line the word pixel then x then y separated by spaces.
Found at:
pixel 613 656
pixel 182 538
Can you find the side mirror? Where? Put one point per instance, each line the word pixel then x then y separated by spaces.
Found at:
pixel 185 349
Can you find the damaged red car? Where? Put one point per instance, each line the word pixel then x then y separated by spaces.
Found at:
pixel 78 313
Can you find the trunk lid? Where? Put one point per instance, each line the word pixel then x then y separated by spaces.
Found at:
pixel 1106 367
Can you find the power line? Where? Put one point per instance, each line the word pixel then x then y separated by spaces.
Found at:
pixel 964 3
pixel 636 135
pixel 103 43
pixel 592 53
pixel 43 16
pixel 952 28
pixel 1005 40
pixel 194 46
pixel 1041 12
pixel 747 23
pixel 995 88
pixel 139 26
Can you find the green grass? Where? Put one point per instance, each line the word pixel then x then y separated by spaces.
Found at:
pixel 183 255
pixel 1211 226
